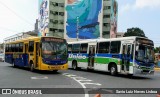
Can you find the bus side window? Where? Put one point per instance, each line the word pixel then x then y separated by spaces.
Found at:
pixel 115 47
pixel 17 48
pixel 75 48
pixel 104 47
pixel 31 46
pixel 84 48
pixel 13 47
pixel 21 47
pixel 70 48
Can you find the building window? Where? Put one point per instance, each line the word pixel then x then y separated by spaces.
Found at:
pixel 61 13
pixel 106 24
pixel 60 30
pixel 54 3
pixel 106 32
pixel 54 12
pixel 106 16
pixel 107 7
pixel 61 22
pixel 61 4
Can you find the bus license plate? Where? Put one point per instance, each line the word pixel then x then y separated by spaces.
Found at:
pixel 56 67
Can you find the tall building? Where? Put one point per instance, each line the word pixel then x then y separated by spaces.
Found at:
pixel 36 26
pixel 20 36
pixel 78 19
pixel 51 18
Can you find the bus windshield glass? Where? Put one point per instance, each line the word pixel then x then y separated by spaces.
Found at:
pixel 54 50
pixel 145 54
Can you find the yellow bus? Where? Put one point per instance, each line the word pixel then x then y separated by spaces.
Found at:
pixel 38 53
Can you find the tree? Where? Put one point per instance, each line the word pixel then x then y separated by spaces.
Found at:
pixel 157 49
pixel 134 32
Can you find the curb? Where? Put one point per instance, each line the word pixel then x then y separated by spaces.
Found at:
pixel 99 95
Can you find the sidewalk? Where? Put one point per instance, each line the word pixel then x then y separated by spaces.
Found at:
pixel 157 69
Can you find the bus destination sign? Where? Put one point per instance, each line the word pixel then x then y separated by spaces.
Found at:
pixel 145 41
pixel 52 39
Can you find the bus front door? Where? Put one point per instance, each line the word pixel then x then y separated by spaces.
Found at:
pixel 26 55
pixel 91 56
pixel 126 57
pixel 37 53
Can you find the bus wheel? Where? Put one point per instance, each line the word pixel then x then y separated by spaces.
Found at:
pixel 130 75
pixel 31 67
pixel 74 65
pixel 113 70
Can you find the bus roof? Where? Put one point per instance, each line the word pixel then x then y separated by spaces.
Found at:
pixel 29 38
pixel 111 39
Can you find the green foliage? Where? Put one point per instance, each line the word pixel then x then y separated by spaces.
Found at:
pixel 156 49
pixel 134 32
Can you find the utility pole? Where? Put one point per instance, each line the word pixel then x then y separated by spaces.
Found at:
pixel 77 28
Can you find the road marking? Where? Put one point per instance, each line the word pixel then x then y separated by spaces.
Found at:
pixel 81 80
pixel 80 77
pixel 94 84
pixel 84 80
pixel 39 77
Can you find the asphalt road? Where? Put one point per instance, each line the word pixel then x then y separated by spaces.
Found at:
pixel 22 78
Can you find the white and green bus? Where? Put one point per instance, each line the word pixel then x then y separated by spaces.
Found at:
pixel 126 55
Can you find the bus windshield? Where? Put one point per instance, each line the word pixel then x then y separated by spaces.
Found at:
pixel 145 54
pixel 54 50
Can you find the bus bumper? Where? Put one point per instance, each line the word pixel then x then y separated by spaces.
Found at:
pixel 54 67
pixel 138 71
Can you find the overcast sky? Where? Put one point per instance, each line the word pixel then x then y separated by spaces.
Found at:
pixel 144 14
pixel 17 16
pixel 20 15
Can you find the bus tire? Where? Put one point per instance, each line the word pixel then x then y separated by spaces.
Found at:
pixel 113 69
pixel 130 75
pixel 74 65
pixel 32 67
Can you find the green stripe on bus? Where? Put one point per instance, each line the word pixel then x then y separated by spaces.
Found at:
pixel 79 60
pixel 105 60
pixel 100 60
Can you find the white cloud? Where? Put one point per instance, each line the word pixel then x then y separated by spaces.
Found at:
pixel 147 4
pixel 126 8
pixel 140 4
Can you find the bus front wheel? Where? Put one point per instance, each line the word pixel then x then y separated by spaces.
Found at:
pixel 113 70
